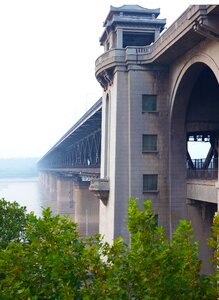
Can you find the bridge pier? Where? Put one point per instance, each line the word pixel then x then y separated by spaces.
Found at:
pixel 44 180
pixel 65 202
pixel 70 196
pixel 86 209
pixel 52 188
pixel 201 215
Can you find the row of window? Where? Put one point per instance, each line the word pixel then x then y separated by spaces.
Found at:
pixel 149 143
pixel 149 104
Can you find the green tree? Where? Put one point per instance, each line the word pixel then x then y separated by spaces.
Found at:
pixel 152 267
pixel 49 265
pixel 213 241
pixel 53 262
pixel 13 218
pixel 161 268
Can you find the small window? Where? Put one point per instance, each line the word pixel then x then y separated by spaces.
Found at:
pixel 150 182
pixel 149 142
pixel 149 103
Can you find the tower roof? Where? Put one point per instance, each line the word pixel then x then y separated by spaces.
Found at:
pixel 130 16
pixel 129 10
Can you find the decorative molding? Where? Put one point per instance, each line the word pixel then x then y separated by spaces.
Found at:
pixel 105 78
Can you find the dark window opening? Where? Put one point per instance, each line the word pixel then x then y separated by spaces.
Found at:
pixel 149 142
pixel 150 182
pixel 137 39
pixel 149 103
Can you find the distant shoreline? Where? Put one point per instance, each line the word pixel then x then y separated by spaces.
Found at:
pixel 19 179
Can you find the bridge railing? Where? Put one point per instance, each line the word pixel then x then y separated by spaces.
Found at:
pixel 199 170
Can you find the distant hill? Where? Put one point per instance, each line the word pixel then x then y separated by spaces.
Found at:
pixel 18 167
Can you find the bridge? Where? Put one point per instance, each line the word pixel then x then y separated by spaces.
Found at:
pixel 67 168
pixel 160 92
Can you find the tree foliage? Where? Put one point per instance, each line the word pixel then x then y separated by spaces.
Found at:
pixel 213 241
pixel 52 261
pixel 13 218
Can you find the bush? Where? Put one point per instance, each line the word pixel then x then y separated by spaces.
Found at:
pixel 13 218
pixel 54 262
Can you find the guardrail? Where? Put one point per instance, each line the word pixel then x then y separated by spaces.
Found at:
pixel 199 170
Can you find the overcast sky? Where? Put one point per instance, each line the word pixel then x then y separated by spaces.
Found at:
pixel 48 50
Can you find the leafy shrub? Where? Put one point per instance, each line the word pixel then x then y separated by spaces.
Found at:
pixel 53 262
pixel 13 218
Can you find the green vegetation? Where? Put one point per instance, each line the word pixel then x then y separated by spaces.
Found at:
pixel 18 167
pixel 13 220
pixel 49 260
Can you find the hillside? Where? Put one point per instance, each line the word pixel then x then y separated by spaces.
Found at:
pixel 18 167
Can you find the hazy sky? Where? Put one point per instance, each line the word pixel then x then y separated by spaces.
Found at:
pixel 48 50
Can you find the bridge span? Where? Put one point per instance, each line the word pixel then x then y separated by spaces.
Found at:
pixel 160 92
pixel 67 168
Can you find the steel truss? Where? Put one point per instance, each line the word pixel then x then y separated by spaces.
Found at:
pixel 85 153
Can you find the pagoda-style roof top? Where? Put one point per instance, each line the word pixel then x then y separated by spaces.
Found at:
pixel 131 10
pixel 132 16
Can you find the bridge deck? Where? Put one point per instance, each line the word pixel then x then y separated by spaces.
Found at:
pixel 202 190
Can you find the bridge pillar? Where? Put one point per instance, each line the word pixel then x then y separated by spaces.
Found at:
pixel 44 180
pixel 70 196
pixel 86 208
pixel 201 215
pixel 65 202
pixel 52 188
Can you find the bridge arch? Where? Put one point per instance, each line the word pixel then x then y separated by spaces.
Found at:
pixel 194 112
pixel 193 66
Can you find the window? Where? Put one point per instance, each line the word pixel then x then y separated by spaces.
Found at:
pixel 149 103
pixel 150 182
pixel 149 142
pixel 137 39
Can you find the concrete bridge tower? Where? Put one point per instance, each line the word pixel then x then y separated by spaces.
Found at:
pixel 131 165
pixel 160 91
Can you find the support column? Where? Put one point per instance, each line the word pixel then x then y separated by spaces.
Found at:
pixel 201 215
pixel 44 181
pixel 119 38
pixel 86 209
pixel 52 195
pixel 65 197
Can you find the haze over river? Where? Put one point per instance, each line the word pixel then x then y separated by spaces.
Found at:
pixel 27 192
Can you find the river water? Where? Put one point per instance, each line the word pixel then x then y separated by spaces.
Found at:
pixel 27 192
pixel 30 193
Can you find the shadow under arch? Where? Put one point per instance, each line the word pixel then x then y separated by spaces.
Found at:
pixel 194 107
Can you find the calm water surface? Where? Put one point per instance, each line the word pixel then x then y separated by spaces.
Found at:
pixel 30 193
pixel 27 192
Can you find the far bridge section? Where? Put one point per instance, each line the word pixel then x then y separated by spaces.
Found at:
pixel 68 167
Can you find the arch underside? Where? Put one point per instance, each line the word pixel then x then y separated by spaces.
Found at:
pixel 193 182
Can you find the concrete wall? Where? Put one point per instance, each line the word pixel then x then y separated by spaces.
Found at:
pixel 127 162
